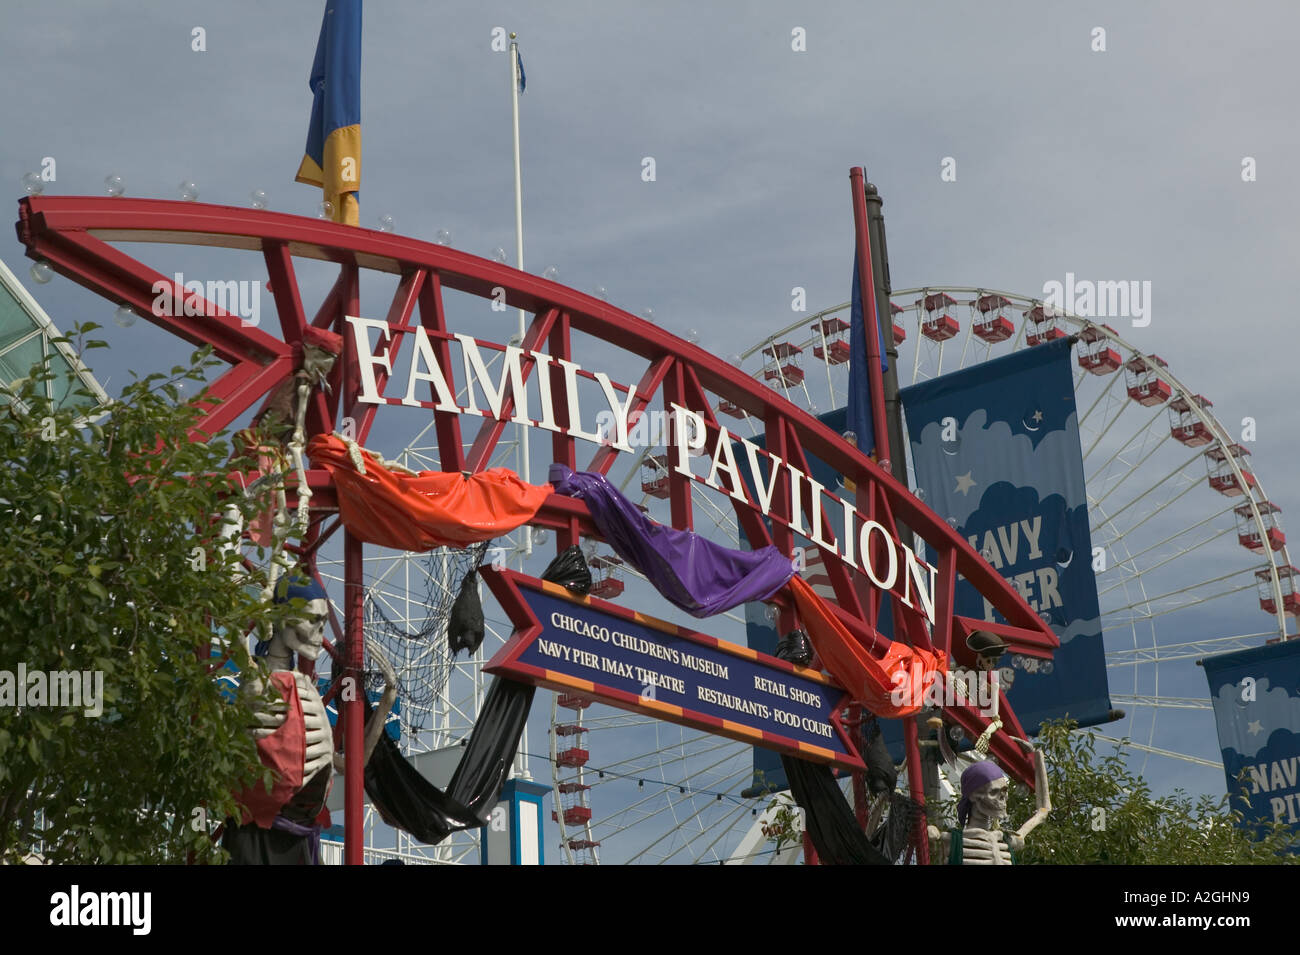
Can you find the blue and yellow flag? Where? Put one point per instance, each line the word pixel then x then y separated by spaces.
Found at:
pixel 333 155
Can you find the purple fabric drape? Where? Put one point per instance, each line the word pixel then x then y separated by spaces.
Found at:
pixel 701 577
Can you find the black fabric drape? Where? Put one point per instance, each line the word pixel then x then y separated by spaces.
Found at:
pixel 570 569
pixel 408 801
pixel 828 816
pixel 895 837
pixel 882 774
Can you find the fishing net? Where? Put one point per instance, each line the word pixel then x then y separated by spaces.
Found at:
pixel 411 631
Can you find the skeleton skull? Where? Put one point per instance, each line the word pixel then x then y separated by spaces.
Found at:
pixel 305 634
pixel 990 801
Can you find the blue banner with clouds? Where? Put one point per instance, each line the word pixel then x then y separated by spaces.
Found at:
pixel 996 451
pixel 1256 698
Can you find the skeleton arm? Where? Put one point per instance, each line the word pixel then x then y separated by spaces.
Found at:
pixel 1042 798
pixel 375 724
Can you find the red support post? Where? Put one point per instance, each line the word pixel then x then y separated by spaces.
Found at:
pixel 916 784
pixel 352 708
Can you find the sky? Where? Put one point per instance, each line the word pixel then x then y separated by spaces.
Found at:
pixel 1114 155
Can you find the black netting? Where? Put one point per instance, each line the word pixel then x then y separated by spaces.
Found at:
pixel 418 649
pixel 895 839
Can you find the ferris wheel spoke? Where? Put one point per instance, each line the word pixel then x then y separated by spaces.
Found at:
pixel 1105 394
pixel 1173 702
pixel 669 833
pixel 1131 468
pixel 1168 477
pixel 1179 533
pixel 1183 651
pixel 1189 603
pixel 615 824
pixel 618 767
pixel 723 825
pixel 1182 553
pixel 1110 422
pixel 1157 751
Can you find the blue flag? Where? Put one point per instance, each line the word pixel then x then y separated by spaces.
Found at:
pixel 332 157
pixel 1256 699
pixel 996 452
pixel 859 410
pixel 523 81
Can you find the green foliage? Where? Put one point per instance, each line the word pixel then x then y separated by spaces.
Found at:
pixel 100 573
pixel 1102 813
pixel 784 827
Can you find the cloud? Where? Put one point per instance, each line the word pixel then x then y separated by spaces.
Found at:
pixel 1273 708
pixel 993 453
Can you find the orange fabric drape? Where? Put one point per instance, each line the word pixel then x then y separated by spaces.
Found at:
pixel 892 685
pixel 428 510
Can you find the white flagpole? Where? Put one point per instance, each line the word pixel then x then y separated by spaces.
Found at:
pixel 519 256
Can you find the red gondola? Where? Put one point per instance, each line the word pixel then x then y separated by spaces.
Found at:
pixel 900 333
pixel 832 332
pixel 938 325
pixel 656 485
pixel 607 584
pixel 1248 534
pixel 1287 581
pixel 731 408
pixel 1042 325
pixel 1142 377
pixel 573 757
pixel 994 326
pixel 1223 476
pixel 785 368
pixel 1184 423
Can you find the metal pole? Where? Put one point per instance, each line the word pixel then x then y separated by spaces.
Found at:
pixel 351 706
pixel 929 755
pixel 872 319
pixel 870 316
pixel 519 257
pixel 880 272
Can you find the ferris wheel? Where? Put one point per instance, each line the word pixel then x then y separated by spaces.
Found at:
pixel 1186 529
pixel 1193 559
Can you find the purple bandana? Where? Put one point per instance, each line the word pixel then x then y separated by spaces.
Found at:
pixel 975 778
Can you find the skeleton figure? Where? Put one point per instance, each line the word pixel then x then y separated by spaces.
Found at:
pixel 286 413
pixel 988 648
pixel 317 362
pixel 979 839
pixel 293 834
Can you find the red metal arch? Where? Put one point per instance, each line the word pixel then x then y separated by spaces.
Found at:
pixel 74 234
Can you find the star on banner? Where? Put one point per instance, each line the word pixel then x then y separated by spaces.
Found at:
pixel 1038 417
pixel 1254 729
pixel 965 482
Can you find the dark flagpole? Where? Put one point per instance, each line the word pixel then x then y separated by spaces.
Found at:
pixel 869 280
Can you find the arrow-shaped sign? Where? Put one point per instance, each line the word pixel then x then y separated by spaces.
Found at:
pixel 645 665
